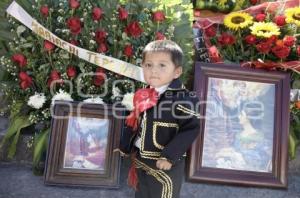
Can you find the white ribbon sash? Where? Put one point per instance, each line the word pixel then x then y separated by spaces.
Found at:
pixel 109 63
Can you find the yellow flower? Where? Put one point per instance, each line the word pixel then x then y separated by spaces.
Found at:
pixel 237 20
pixel 263 29
pixel 293 15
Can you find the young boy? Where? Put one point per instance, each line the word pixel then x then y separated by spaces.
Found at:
pixel 163 125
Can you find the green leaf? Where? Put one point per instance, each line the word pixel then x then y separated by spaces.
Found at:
pixel 17 108
pixel 3 75
pixel 292 146
pixel 40 146
pixel 14 129
pixel 13 147
pixel 296 84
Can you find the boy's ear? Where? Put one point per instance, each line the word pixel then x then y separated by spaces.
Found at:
pixel 178 72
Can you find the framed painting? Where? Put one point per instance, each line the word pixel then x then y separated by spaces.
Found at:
pixel 82 139
pixel 244 131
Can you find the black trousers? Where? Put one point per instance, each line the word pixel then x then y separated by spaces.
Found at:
pixel 155 183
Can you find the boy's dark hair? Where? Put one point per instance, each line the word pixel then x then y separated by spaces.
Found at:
pixel 167 46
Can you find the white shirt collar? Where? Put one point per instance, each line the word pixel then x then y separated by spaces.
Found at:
pixel 161 89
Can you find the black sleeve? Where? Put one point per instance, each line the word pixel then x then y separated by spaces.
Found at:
pixel 126 142
pixel 188 119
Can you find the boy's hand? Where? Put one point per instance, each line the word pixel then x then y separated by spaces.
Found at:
pixel 122 154
pixel 163 164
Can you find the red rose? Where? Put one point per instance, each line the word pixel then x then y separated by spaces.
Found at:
pixel 100 36
pixel 97 13
pixel 298 50
pixel 23 76
pixel 260 17
pixel 226 39
pixel 263 47
pixel 123 14
pixel 48 46
pixel 74 4
pixel 98 81
pixel 71 71
pixel 210 31
pixel 289 41
pixel 74 25
pixel 44 10
pixel 99 78
pixel 272 40
pixel 158 16
pixel 74 42
pixel 134 29
pixel 20 59
pixel 55 75
pixel 253 2
pixel 25 84
pixel 25 80
pixel 281 51
pixel 128 51
pixel 102 48
pixel 250 39
pixel 280 20
pixel 159 36
pixel 214 54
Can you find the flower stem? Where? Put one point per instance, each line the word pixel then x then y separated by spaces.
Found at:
pixel 115 43
pixel 241 42
pixel 50 58
pixel 49 20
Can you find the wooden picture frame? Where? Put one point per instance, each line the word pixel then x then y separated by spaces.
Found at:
pixel 82 139
pixel 244 131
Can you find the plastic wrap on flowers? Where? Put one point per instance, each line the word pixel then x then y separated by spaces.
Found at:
pixel 263 36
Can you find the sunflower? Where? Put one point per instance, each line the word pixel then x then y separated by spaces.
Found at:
pixel 237 20
pixel 293 15
pixel 263 29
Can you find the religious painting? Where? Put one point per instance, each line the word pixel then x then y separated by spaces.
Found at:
pixel 244 131
pixel 82 139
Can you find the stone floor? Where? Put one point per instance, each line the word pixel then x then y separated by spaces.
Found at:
pixel 18 181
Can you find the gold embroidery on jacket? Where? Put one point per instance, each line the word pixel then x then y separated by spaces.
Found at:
pixel 147 154
pixel 161 176
pixel 154 155
pixel 162 124
pixel 187 111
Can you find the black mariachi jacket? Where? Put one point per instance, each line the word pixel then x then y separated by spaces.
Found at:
pixel 169 128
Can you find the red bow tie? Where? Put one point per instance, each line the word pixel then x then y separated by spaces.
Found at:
pixel 143 99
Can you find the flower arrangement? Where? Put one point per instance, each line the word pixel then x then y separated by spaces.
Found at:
pixel 37 72
pixel 265 36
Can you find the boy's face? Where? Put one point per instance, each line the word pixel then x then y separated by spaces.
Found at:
pixel 159 69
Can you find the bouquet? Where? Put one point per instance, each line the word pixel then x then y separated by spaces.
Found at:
pixel 36 72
